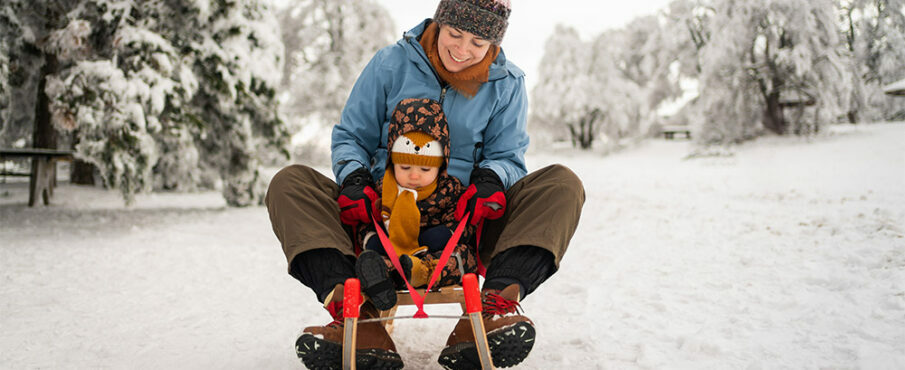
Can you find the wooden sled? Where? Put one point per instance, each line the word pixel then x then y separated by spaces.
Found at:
pixel 468 295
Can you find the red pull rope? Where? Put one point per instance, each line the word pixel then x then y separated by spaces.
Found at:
pixel 444 257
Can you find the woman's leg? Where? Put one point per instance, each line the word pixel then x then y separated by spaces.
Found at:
pixel 523 248
pixel 542 211
pixel 305 218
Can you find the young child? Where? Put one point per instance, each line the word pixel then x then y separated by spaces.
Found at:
pixel 418 200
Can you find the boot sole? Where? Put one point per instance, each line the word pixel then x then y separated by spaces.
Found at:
pixel 509 346
pixel 319 354
pixel 375 280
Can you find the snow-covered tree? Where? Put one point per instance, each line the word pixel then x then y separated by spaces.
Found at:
pixel 162 94
pixel 559 100
pixel 327 44
pixel 9 26
pixel 875 36
pixel 24 26
pixel 608 86
pixel 645 56
pixel 760 54
pixel 620 91
pixel 687 25
pixel 238 64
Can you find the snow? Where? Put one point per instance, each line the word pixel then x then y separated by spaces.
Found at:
pixel 781 253
pixel 70 40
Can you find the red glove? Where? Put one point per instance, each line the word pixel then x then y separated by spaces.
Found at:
pixel 484 198
pixel 357 198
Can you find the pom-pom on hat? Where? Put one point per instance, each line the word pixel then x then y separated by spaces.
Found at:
pixel 485 18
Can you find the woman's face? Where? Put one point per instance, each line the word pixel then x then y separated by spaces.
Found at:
pixel 460 49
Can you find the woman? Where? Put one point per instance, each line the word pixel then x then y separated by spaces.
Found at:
pixel 455 59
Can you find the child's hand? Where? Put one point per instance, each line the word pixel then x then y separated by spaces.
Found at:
pixel 357 198
pixel 484 198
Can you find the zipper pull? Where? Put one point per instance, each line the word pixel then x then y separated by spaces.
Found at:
pixel 474 153
pixel 442 94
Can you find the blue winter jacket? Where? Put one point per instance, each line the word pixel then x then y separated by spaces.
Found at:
pixel 488 129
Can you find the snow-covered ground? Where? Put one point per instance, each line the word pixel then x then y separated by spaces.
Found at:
pixel 785 253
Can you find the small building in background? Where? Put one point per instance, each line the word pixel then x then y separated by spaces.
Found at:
pixel 895 88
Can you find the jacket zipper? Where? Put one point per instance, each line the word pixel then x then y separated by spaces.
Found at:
pixel 443 88
pixel 474 153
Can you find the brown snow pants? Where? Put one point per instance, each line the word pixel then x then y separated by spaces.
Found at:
pixel 542 210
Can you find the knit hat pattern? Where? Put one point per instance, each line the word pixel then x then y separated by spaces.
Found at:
pixel 419 134
pixel 485 18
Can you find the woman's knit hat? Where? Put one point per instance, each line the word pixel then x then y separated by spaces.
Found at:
pixel 419 134
pixel 485 18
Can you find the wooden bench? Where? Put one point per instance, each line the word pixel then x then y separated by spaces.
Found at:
pixel 669 131
pixel 43 170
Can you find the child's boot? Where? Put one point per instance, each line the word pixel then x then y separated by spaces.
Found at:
pixel 372 270
pixel 422 268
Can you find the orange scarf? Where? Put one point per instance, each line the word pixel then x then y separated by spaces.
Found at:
pixel 467 81
pixel 401 215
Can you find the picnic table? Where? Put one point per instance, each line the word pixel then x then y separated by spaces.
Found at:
pixel 42 177
pixel 669 131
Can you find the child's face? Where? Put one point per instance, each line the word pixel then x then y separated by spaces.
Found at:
pixel 414 177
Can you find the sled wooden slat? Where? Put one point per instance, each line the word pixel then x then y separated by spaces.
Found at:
pixel 447 294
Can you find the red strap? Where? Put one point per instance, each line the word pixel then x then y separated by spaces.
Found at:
pixel 477 255
pixel 462 204
pixel 447 251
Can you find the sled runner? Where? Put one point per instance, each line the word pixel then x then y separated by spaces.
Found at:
pixel 468 295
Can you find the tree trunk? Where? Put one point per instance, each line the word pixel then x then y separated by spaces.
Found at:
pixel 581 135
pixel 574 135
pixel 81 173
pixel 586 135
pixel 582 132
pixel 773 119
pixel 853 116
pixel 44 135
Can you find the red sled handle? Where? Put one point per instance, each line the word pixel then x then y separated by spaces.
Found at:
pixel 472 293
pixel 351 298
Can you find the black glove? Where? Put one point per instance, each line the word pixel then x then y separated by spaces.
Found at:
pixel 357 198
pixel 484 198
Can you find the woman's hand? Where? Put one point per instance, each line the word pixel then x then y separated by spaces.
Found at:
pixel 357 198
pixel 484 198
